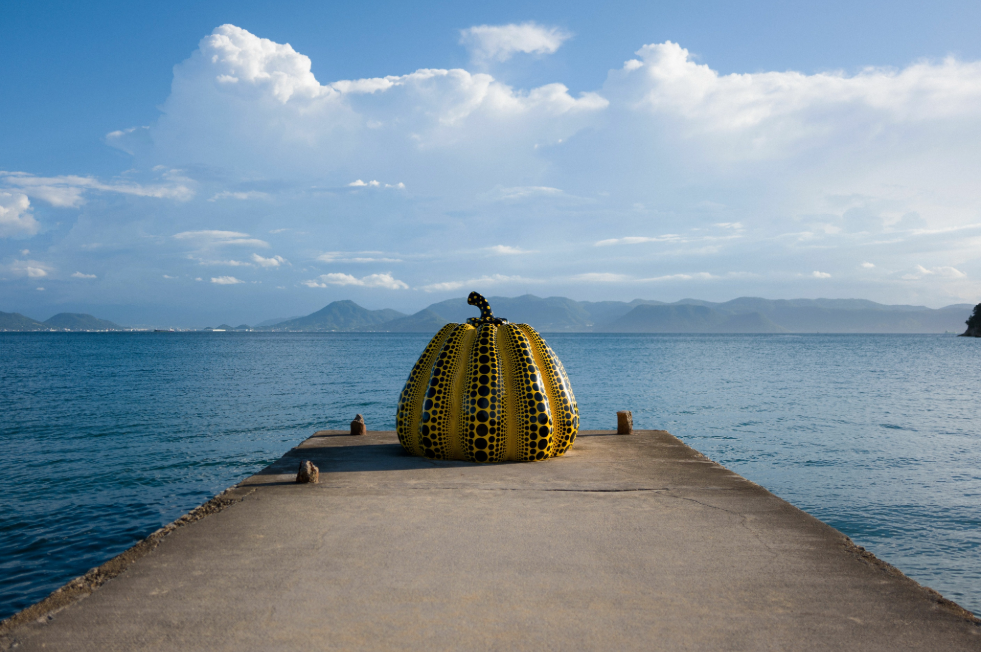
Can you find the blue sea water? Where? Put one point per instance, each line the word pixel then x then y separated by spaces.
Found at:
pixel 106 437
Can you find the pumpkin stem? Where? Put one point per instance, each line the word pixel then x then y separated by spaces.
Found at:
pixel 486 316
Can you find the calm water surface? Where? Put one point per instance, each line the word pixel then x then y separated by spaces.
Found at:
pixel 106 437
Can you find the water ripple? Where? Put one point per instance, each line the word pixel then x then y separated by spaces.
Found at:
pixel 106 437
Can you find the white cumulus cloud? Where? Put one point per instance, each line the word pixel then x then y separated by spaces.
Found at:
pixel 817 274
pixel 226 280
pixel 16 218
pixel 759 175
pixel 244 102
pixel 81 275
pixel 501 42
pixel 274 261
pixel 781 109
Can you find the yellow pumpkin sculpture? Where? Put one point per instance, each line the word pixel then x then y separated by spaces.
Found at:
pixel 487 391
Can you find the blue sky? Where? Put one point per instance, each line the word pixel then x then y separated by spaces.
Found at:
pixel 180 164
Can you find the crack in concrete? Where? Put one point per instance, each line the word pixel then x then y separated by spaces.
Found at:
pixel 743 522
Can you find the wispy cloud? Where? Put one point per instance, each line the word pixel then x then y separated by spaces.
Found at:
pixel 697 276
pixel 374 183
pixel 81 275
pixel 524 192
pixel 251 194
pixel 608 277
pixel 668 237
pixel 212 238
pixel 386 281
pixel 483 281
pixel 226 280
pixel 68 191
pixel 356 257
pixel 942 272
pixel 506 250
pixel 221 263
pixel 601 277
pixel 501 42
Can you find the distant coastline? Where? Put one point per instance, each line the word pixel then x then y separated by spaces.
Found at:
pixel 561 314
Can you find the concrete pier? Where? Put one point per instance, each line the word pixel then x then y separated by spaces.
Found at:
pixel 627 542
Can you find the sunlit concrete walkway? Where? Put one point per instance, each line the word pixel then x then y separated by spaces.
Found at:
pixel 627 542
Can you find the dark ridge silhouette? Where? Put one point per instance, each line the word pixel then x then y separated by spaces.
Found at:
pixel 973 323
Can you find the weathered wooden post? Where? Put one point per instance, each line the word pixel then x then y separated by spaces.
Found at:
pixel 358 426
pixel 625 422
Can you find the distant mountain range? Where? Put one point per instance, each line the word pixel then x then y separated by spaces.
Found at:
pixel 560 314
pixel 64 321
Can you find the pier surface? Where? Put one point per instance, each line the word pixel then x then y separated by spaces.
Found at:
pixel 626 542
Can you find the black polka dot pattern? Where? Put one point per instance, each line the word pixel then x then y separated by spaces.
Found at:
pixel 484 409
pixel 533 414
pixel 434 428
pixel 487 391
pixel 486 314
pixel 565 412
pixel 414 392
